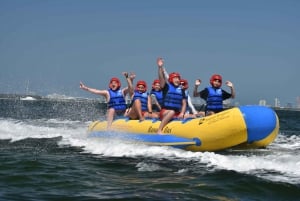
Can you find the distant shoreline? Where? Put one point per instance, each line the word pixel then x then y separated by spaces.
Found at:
pixel 30 97
pixel 8 96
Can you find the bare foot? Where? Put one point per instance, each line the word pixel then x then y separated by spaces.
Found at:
pixel 160 133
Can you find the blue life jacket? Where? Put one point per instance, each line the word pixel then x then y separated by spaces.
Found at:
pixel 116 100
pixel 143 98
pixel 173 98
pixel 159 96
pixel 214 99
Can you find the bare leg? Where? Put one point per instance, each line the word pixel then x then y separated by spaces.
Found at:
pixel 167 116
pixel 137 105
pixel 110 117
pixel 135 111
pixel 131 113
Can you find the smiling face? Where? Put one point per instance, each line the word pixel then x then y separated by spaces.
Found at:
pixel 176 81
pixel 114 83
pixel 216 83
pixel 141 86
pixel 174 78
pixel 156 87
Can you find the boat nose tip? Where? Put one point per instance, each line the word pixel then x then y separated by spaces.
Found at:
pixel 261 121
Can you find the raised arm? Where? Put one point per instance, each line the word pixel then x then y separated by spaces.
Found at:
pixel 162 80
pixel 195 92
pixel 232 90
pixel 94 91
pixel 129 83
pixel 166 75
pixel 131 76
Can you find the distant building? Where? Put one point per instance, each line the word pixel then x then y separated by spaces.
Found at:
pixel 262 102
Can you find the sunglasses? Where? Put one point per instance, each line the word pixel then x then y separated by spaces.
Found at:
pixel 216 80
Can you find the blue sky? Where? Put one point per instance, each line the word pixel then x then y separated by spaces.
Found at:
pixel 54 44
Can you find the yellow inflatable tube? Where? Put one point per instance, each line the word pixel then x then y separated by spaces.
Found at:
pixel 246 127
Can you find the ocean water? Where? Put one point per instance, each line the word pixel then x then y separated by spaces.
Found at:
pixel 45 154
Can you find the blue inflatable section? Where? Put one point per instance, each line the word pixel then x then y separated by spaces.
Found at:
pixel 260 121
pixel 170 140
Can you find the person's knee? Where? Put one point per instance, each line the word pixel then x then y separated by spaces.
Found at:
pixel 137 102
pixel 169 114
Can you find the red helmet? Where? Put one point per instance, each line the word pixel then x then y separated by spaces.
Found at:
pixel 215 77
pixel 116 80
pixel 141 82
pixel 154 83
pixel 172 75
pixel 184 83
